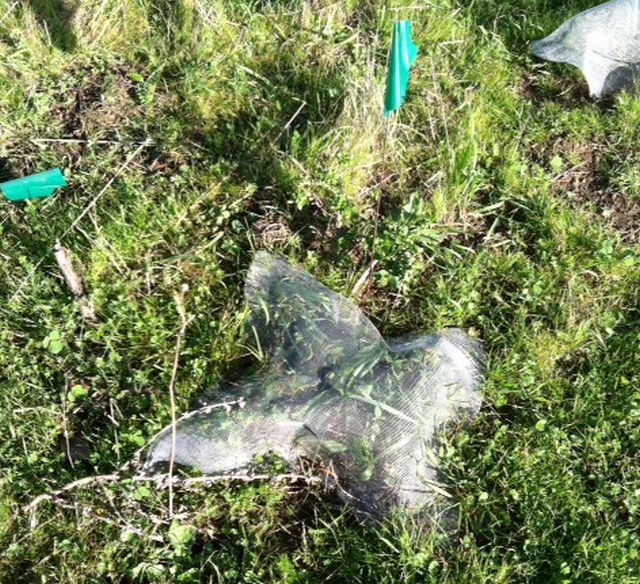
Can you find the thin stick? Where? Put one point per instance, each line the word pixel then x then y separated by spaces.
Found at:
pixel 9 11
pixel 414 7
pixel 65 427
pixel 169 481
pixel 147 142
pixel 86 481
pixel 95 199
pixel 164 480
pixel 291 120
pixel 135 463
pixel 63 257
pixel 383 165
pixel 363 279
pixel 123 524
pixel 172 387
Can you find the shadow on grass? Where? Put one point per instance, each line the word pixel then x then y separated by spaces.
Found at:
pixel 518 22
pixel 292 104
pixel 6 172
pixel 55 16
pixel 167 20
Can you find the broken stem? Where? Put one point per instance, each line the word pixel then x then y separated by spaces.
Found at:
pixel 179 298
pixel 169 481
pixel 63 258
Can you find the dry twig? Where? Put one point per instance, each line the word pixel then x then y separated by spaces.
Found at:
pixel 65 425
pixel 63 257
pixel 167 480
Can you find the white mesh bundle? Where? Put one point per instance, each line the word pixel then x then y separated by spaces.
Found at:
pixel 603 42
pixel 335 392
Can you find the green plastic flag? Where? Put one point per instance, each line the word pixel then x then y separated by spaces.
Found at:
pixel 35 186
pixel 402 56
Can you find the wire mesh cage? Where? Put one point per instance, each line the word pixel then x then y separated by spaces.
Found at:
pixel 332 390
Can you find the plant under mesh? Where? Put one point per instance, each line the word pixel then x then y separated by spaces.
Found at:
pixel 603 42
pixel 332 390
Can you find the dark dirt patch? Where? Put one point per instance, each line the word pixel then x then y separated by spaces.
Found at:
pixel 585 185
pixel 582 177
pixel 622 213
pixel 164 162
pixel 477 230
pixel 99 104
pixel 271 230
pixel 556 88
pixel 560 88
pixel 89 102
pixel 5 170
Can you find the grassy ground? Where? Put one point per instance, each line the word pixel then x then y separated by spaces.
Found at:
pixel 510 204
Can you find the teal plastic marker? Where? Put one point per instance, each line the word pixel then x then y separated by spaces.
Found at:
pixel 402 56
pixel 35 186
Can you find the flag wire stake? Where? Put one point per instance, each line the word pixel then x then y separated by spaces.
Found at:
pixel 88 208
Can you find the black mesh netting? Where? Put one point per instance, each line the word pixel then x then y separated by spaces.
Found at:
pixel 334 391
pixel 603 42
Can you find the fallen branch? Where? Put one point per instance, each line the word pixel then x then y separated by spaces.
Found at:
pixel 93 481
pixel 168 481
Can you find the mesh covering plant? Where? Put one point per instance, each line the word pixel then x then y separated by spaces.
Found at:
pixel 332 390
pixel 603 42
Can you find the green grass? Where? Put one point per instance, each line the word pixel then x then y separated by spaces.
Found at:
pixel 509 202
